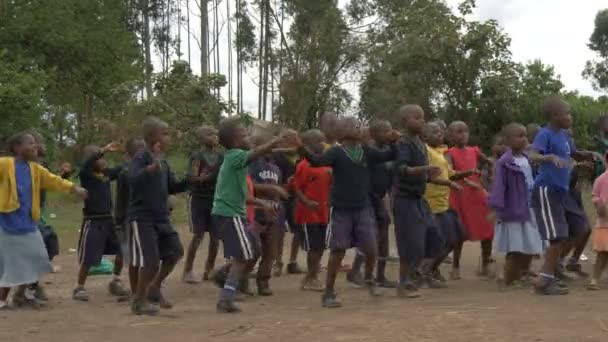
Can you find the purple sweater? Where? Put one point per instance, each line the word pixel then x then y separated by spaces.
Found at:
pixel 509 195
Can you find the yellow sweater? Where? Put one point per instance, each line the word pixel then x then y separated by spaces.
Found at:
pixel 42 179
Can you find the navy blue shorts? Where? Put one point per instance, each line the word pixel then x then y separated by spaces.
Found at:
pixel 558 215
pixel 383 219
pixel 413 220
pixel 97 238
pixel 349 228
pixel 237 237
pixel 152 242
pixel 313 237
pixel 199 215
pixel 450 227
pixel 290 219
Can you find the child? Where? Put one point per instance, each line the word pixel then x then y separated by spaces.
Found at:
pixel 23 257
pixel 380 184
pixel 437 195
pixel 412 215
pixel 471 203
pixel 600 233
pixel 229 207
pixel 133 147
pixel 516 233
pixel 312 186
pixel 351 219
pixel 499 147
pixel 557 215
pixel 202 172
pixel 97 234
pixel 263 170
pixel 152 237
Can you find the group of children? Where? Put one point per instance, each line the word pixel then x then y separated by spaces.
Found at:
pixel 334 188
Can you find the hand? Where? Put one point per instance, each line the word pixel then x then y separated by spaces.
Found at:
pixel 79 192
pixel 112 147
pixel 392 136
pixel 557 161
pixel 456 187
pixel 281 192
pixel 66 169
pixel 154 167
pixel 434 171
pixel 270 210
pixel 491 217
pixel 312 205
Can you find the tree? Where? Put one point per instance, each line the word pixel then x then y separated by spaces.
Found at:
pixel 597 70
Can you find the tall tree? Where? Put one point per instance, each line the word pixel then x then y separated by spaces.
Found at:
pixel 597 70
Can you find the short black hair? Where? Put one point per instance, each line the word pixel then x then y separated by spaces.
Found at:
pixel 311 135
pixel 16 140
pixel 377 126
pixel 508 130
pixel 133 145
pixel 553 105
pixel 89 151
pixel 204 130
pixel 409 109
pixel 226 131
pixel 150 127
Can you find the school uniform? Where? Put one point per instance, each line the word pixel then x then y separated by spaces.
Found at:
pixel 558 215
pixel 97 233
pixel 229 207
pixel 152 237
pixel 315 184
pixel 287 164
pixel 51 240
pixel 121 209
pixel 352 222
pixel 415 230
pixel 23 256
pixel 200 200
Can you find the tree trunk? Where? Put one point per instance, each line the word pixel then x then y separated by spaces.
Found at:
pixel 204 37
pixel 188 31
pixel 145 37
pixel 229 58
pixel 261 59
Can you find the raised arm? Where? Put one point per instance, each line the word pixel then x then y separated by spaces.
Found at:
pixel 317 160
pixel 379 156
pixel 174 186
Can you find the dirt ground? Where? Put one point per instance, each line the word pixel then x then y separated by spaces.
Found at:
pixel 469 310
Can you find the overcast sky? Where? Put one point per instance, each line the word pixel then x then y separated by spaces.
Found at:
pixel 555 31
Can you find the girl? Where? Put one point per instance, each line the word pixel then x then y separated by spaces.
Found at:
pixel 600 234
pixel 516 231
pixel 23 256
pixel 471 203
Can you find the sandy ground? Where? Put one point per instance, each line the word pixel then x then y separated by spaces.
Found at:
pixel 469 310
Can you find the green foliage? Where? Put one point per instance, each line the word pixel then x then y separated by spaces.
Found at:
pixel 597 70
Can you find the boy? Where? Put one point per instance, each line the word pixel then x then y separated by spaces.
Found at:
pixel 352 219
pixel 312 186
pixel 202 172
pixel 152 237
pixel 413 218
pixel 558 217
pixel 121 207
pixel 229 207
pixel 98 235
pixel 380 184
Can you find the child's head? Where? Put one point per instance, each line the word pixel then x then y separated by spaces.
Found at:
pixel 155 131
pixel 289 137
pixel 557 111
pixel 23 145
pixel 314 140
pixel 134 146
pixel 40 144
pixel 516 136
pixel 459 133
pixel 378 131
pixel 532 129
pixel 206 136
pixel 328 124
pixel 91 150
pixel 433 134
pixel 232 134
pixel 411 118
pixel 349 128
pixel 499 145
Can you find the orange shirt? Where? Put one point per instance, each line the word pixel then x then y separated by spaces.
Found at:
pixel 315 184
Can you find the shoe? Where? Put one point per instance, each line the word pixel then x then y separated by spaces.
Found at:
pixel 40 293
pixel 560 273
pixel 143 307
pixel 577 269
pixel 117 289
pixel 219 277
pixel 277 269
pixel 550 288
pixel 80 294
pixel 5 307
pixel 407 291
pixel 386 284
pixel 157 298
pixel 355 278
pixel 428 282
pixel 314 285
pixel 455 274
pixel 227 306
pixel 293 268
pixel 265 291
pixel 244 287
pixel 328 300
pixel 439 277
pixel 593 286
pixel 372 288
pixel 190 278
pixel 584 257
pixel 23 299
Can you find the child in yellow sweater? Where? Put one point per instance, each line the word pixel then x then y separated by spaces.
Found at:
pixel 23 256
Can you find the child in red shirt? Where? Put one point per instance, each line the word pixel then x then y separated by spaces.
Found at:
pixel 312 187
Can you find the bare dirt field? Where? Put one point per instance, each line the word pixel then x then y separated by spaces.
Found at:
pixel 469 310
